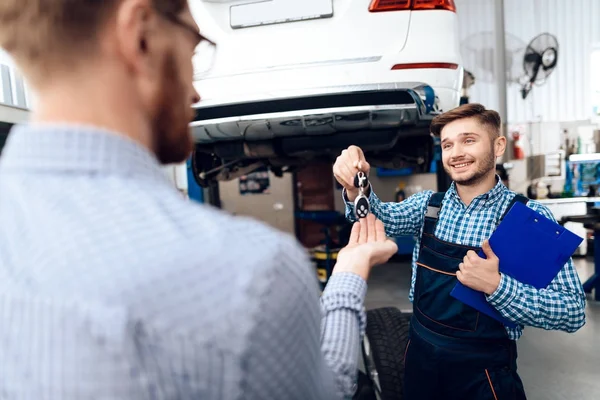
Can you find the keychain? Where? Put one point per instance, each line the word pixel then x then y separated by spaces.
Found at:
pixel 361 203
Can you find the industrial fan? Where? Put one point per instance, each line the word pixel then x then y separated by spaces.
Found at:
pixel 541 56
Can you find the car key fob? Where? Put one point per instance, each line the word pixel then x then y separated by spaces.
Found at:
pixel 361 206
pixel 361 203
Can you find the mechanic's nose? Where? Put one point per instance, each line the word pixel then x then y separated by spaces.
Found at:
pixel 456 153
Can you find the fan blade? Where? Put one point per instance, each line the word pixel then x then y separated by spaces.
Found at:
pixel 533 57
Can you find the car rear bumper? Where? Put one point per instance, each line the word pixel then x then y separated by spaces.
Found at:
pixel 323 111
pixel 302 80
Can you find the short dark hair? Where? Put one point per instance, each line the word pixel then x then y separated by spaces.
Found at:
pixel 38 32
pixel 488 118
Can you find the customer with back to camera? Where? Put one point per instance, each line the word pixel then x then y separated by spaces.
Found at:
pixel 454 351
pixel 111 285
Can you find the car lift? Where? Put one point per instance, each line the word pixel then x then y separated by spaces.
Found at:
pixel 197 193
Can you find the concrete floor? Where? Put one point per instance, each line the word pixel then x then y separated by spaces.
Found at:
pixel 553 365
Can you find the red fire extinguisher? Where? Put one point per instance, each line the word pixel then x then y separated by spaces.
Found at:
pixel 518 152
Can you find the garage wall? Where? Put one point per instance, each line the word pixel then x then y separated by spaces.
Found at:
pixel 567 95
pixel 275 208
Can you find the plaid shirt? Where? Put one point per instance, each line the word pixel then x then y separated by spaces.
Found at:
pixel 560 306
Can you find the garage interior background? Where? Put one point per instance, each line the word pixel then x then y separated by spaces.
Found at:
pixel 568 103
pixel 565 102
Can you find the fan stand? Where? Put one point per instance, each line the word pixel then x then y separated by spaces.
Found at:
pixel 526 89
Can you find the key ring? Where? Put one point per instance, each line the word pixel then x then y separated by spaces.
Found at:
pixel 361 203
pixel 360 180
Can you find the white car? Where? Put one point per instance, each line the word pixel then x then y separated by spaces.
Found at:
pixel 293 80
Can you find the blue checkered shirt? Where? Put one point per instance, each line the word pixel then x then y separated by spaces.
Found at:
pixel 560 306
pixel 113 286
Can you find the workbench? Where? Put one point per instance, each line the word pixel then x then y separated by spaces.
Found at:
pixel 591 220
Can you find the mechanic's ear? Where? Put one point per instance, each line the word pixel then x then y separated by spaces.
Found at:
pixel 500 146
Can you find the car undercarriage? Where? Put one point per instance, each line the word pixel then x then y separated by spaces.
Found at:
pixel 391 125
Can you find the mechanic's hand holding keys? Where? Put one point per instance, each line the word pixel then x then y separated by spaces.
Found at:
pixel 346 168
pixel 368 246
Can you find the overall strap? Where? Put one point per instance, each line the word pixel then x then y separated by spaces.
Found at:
pixel 433 211
pixel 518 198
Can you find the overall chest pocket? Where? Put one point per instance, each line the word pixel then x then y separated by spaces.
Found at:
pixel 436 277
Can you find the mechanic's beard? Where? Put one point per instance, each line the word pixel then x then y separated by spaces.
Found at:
pixel 487 164
pixel 172 137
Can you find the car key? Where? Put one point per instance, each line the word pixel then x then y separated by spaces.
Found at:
pixel 361 203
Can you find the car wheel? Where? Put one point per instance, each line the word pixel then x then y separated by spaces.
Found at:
pixel 383 349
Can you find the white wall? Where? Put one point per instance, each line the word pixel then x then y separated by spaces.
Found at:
pixel 275 208
pixel 15 96
pixel 567 95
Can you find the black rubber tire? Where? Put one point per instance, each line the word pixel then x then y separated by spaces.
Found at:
pixel 387 332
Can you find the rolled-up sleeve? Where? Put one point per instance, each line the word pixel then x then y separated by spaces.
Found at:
pixel 560 306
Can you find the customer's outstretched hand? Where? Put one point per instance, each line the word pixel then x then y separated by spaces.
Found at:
pixel 368 246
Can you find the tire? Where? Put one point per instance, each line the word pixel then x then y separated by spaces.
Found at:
pixel 386 339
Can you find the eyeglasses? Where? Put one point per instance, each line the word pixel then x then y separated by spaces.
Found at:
pixel 206 50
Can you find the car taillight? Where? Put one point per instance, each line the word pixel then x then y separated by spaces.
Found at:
pixel 434 5
pixel 437 65
pixel 389 5
pixel 397 5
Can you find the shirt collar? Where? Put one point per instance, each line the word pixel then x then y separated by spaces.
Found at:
pixel 488 198
pixel 76 148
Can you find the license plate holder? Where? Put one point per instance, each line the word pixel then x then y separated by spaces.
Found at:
pixel 269 12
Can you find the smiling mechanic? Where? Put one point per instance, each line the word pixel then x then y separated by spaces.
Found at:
pixel 455 352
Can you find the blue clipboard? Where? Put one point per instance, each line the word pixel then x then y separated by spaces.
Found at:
pixel 531 248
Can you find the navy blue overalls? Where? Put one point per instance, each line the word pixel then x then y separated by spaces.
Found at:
pixel 454 352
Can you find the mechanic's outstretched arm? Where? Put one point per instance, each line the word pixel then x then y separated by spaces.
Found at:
pixel 302 351
pixel 405 218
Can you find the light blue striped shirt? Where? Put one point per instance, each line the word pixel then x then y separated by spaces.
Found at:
pixel 113 286
pixel 560 306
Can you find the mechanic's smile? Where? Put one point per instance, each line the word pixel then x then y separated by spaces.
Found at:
pixel 462 165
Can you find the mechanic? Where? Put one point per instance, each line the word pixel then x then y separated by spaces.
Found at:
pixel 455 352
pixel 112 286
